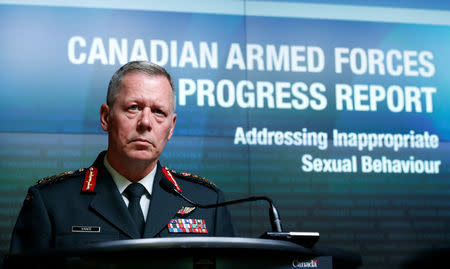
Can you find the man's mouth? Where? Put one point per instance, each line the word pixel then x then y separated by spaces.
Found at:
pixel 141 140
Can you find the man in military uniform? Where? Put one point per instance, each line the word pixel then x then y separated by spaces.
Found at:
pixel 121 196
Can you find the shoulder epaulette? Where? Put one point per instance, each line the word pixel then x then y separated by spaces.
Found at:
pixel 195 178
pixel 89 180
pixel 55 178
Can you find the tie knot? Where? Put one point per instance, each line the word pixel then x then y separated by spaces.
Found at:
pixel 135 191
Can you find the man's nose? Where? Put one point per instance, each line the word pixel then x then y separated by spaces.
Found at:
pixel 145 121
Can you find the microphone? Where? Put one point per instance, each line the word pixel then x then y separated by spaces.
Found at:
pixel 273 212
pixel 306 239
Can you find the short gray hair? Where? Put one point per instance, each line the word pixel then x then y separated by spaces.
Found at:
pixel 145 67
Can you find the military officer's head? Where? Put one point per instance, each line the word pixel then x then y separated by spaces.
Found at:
pixel 138 116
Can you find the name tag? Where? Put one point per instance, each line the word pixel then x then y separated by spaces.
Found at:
pixel 85 229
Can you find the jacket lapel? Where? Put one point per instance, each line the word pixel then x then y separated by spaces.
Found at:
pixel 109 203
pixel 163 207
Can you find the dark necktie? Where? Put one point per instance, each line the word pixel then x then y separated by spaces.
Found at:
pixel 134 192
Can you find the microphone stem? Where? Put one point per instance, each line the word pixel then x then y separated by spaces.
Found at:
pixel 273 212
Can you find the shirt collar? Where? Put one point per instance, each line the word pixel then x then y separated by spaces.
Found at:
pixel 122 183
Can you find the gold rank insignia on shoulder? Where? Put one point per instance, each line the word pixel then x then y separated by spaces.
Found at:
pixel 89 179
pixel 195 178
pixel 50 178
pixel 185 210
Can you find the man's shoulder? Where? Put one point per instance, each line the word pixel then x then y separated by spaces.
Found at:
pixel 65 177
pixel 193 179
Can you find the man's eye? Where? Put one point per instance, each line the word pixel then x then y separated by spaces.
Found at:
pixel 159 112
pixel 133 107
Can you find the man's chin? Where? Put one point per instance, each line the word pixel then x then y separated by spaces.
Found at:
pixel 142 155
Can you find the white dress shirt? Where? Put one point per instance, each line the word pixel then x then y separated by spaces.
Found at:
pixel 122 183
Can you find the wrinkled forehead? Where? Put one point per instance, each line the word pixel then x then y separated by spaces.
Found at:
pixel 139 85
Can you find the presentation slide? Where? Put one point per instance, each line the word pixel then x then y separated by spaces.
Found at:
pixel 343 122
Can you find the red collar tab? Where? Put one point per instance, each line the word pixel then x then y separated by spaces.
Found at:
pixel 171 178
pixel 89 179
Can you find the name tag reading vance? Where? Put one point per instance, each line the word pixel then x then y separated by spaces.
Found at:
pixel 85 229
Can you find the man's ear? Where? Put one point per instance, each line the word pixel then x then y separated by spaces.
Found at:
pixel 105 117
pixel 174 120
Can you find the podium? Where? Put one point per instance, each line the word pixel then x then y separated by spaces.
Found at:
pixel 189 252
